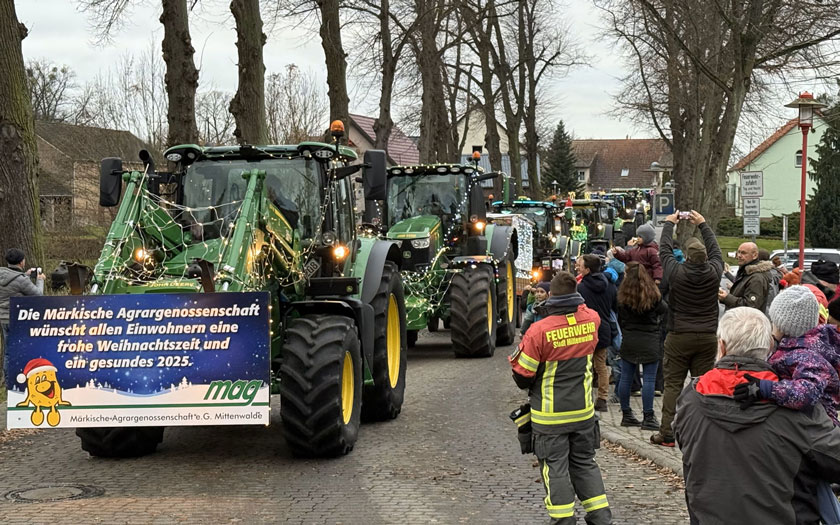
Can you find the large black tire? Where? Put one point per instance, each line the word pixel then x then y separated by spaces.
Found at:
pixel 120 442
pixel 434 323
pixel 411 338
pixel 506 301
pixel 384 399
pixel 473 312
pixel 321 403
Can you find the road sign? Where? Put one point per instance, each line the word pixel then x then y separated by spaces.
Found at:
pixel 664 204
pixel 752 207
pixel 752 184
pixel 752 226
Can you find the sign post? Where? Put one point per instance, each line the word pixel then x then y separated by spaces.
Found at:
pixel 663 205
pixel 752 189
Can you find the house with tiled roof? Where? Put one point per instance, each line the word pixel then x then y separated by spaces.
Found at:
pixel 401 149
pixel 68 170
pixel 779 158
pixel 619 164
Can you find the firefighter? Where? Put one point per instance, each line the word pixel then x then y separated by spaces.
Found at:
pixel 554 362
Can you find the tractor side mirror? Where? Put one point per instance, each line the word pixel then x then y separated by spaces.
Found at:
pixel 110 181
pixel 374 181
pixel 477 206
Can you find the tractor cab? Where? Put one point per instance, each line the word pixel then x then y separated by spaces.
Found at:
pixel 432 207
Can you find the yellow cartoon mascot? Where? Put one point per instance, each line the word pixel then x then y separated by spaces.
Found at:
pixel 42 391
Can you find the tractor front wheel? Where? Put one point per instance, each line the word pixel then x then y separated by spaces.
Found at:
pixel 506 332
pixel 321 385
pixel 384 399
pixel 473 312
pixel 120 442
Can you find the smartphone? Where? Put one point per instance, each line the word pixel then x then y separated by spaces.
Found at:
pixel 685 215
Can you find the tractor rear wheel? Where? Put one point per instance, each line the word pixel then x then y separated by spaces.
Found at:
pixel 120 442
pixel 473 312
pixel 506 294
pixel 411 338
pixel 384 399
pixel 321 385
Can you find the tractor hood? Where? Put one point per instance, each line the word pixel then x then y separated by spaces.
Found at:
pixel 415 228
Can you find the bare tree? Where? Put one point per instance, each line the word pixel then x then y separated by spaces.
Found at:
pixel 181 75
pixel 694 63
pixel 215 122
pixel 336 59
pixel 295 105
pixel 20 225
pixel 50 90
pixel 248 105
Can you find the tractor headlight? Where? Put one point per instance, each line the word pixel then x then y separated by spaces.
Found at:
pixel 418 244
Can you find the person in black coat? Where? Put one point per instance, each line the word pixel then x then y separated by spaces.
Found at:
pixel 640 309
pixel 599 294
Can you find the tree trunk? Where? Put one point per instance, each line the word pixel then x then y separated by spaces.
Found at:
pixel 248 105
pixel 336 60
pixel 434 123
pixel 20 221
pixel 483 42
pixel 384 123
pixel 181 74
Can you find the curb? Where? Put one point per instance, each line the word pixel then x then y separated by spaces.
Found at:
pixel 645 450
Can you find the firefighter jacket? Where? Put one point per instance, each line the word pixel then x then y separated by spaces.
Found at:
pixel 554 362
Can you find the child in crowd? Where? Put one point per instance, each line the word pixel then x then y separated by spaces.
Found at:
pixel 541 293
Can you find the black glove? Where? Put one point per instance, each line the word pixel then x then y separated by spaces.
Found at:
pixel 749 392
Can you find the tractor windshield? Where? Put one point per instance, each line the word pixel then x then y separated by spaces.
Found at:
pixel 214 190
pixel 538 214
pixel 442 195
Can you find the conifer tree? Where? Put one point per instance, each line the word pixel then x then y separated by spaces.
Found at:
pixel 559 164
pixel 823 212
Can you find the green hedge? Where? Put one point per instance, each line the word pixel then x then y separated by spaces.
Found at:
pixel 770 228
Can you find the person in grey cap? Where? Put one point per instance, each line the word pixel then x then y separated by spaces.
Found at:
pixel 645 251
pixel 691 343
pixel 14 282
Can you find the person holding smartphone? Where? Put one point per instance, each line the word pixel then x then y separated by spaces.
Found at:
pixel 14 282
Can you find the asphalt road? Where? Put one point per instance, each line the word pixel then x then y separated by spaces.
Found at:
pixel 451 457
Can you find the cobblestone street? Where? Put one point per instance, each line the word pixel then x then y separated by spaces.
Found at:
pixel 451 457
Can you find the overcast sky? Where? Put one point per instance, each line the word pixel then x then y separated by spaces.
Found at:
pixel 63 35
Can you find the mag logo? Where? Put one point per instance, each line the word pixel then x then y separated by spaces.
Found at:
pixel 234 390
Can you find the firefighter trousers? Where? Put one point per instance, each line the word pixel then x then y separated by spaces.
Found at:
pixel 568 468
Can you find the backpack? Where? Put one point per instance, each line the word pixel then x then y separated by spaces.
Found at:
pixel 772 292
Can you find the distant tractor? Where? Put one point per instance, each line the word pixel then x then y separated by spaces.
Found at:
pixel 456 267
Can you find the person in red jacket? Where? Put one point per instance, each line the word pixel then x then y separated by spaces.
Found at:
pixel 645 251
pixel 554 362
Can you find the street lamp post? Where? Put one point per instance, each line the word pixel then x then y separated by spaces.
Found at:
pixel 806 105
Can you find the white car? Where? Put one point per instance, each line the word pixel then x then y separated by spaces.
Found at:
pixel 791 258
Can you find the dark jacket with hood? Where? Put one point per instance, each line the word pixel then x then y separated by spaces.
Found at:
pixel 810 278
pixel 759 465
pixel 751 287
pixel 640 333
pixel 692 286
pixel 600 295
pixel 15 283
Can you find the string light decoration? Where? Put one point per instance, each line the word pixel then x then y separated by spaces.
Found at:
pixel 167 238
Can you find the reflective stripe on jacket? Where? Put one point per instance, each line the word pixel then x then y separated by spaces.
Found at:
pixel 557 353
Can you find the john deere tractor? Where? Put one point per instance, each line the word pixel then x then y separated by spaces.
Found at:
pixel 456 268
pixel 551 243
pixel 278 219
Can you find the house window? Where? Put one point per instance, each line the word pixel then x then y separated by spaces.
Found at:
pixel 797 159
pixel 581 176
pixel 730 194
pixel 625 172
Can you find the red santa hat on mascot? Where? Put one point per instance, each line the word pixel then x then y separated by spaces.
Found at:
pixel 33 367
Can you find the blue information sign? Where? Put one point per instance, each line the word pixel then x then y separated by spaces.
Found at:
pixel 138 360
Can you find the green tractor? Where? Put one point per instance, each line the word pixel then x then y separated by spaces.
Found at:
pixel 551 239
pixel 456 267
pixel 278 219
